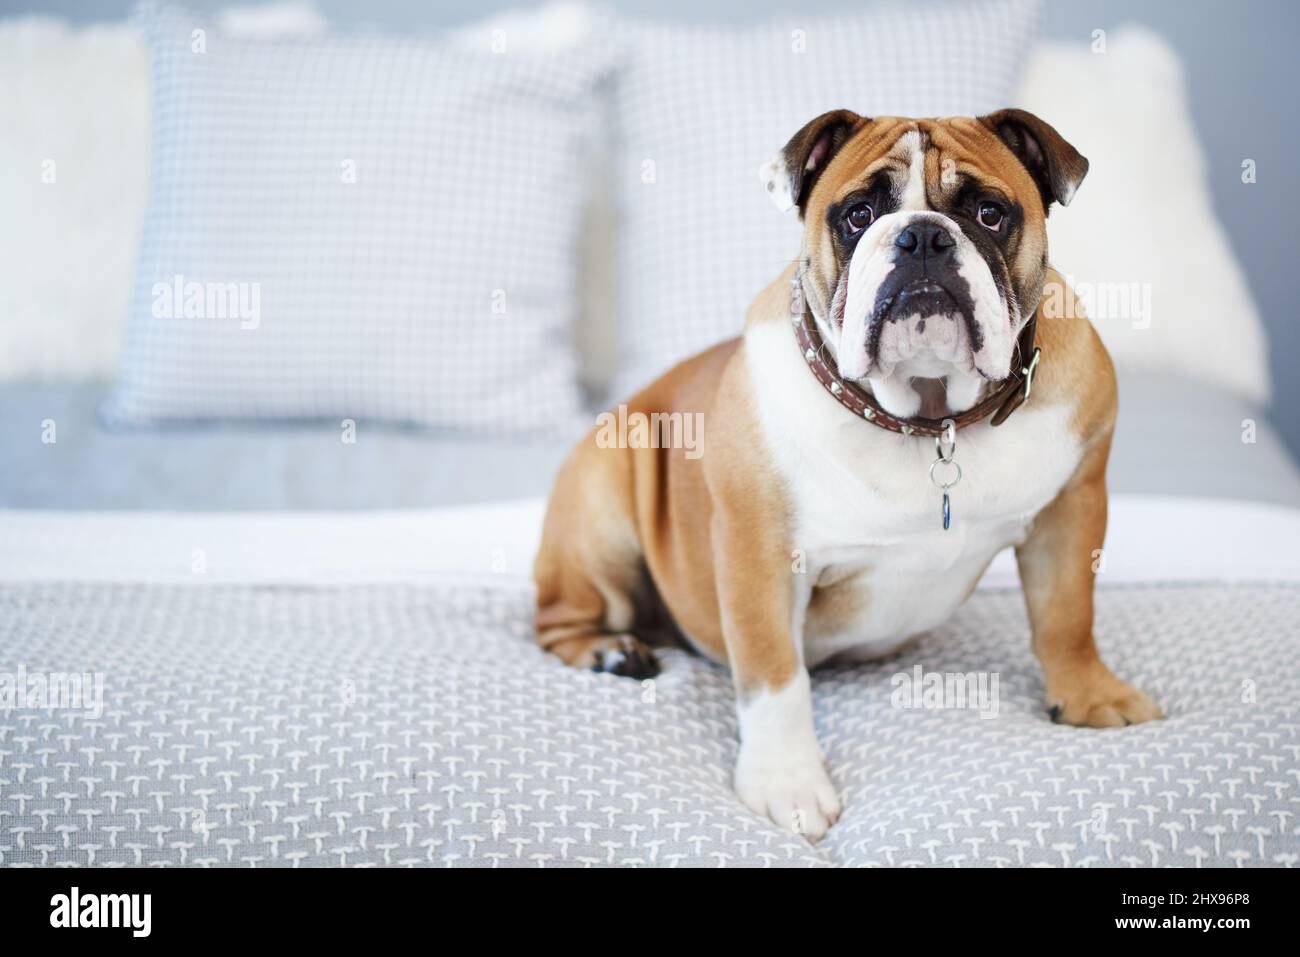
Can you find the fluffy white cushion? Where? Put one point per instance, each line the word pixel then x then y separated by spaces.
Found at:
pixel 1144 215
pixel 74 137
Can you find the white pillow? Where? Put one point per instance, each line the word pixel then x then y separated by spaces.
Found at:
pixel 74 171
pixel 397 217
pixel 79 99
pixel 1126 110
pixel 702 108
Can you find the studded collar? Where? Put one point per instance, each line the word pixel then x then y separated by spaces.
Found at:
pixel 1010 394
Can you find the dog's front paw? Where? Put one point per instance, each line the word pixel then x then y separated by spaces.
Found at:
pixel 794 791
pixel 1095 698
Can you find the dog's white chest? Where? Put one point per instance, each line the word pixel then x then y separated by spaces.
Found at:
pixel 865 601
pixel 868 525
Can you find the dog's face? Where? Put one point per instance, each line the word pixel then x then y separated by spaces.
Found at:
pixel 925 244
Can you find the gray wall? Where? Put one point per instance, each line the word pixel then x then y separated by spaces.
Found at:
pixel 1242 68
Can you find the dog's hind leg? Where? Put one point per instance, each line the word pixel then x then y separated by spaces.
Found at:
pixel 590 574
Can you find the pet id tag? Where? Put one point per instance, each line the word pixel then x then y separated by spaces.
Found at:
pixel 944 471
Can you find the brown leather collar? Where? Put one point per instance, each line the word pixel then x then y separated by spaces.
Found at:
pixel 1004 400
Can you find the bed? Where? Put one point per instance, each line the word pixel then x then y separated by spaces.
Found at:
pixel 296 644
pixel 316 654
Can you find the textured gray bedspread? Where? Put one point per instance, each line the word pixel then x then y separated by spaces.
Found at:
pixel 403 725
pixel 1173 438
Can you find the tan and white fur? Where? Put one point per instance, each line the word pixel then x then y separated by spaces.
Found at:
pixel 806 533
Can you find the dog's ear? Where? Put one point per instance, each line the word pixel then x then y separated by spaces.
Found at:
pixel 790 174
pixel 1055 165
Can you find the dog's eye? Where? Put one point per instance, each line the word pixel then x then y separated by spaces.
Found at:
pixel 858 218
pixel 990 216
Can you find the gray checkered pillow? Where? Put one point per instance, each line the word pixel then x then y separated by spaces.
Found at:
pixel 703 108
pixel 360 227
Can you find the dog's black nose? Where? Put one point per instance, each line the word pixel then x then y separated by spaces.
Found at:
pixel 925 239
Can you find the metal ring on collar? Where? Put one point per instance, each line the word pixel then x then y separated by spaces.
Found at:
pixel 956 475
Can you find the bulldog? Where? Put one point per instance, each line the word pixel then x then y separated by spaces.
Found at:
pixel 898 410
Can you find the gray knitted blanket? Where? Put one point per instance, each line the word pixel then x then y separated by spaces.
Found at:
pixel 417 725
